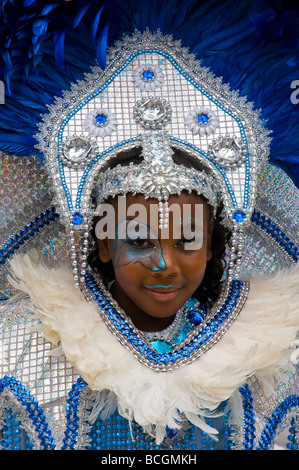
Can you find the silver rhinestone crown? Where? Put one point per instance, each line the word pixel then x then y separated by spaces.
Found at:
pixel 157 176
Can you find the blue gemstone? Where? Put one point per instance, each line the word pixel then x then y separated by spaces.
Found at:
pixel 77 219
pixel 148 75
pixel 180 338
pixel 203 118
pixel 161 346
pixel 195 317
pixel 101 119
pixel 191 302
pixel 239 216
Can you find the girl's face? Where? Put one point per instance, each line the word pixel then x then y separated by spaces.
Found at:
pixel 157 272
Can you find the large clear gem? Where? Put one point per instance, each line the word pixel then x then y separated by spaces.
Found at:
pixel 76 149
pixel 160 178
pixel 152 110
pixel 152 113
pixel 227 155
pixel 227 150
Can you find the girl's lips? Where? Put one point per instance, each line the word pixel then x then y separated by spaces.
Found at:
pixel 161 294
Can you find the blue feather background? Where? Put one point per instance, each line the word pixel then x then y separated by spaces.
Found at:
pixel 46 45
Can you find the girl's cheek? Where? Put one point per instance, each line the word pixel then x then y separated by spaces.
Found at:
pixel 125 254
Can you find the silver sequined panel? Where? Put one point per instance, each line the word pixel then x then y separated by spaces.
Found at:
pixel 24 195
pixel 22 180
pixel 278 200
pixel 26 356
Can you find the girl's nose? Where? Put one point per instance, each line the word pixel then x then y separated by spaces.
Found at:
pixel 165 261
pixel 159 262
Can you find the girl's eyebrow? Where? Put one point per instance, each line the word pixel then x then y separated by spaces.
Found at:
pixel 192 225
pixel 150 230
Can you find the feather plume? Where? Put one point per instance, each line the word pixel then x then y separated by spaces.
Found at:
pixel 104 405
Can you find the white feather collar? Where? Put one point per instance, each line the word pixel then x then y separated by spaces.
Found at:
pixel 257 343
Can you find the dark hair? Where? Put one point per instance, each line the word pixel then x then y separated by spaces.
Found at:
pixel 210 287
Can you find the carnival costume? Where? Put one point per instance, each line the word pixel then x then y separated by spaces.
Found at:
pixel 75 372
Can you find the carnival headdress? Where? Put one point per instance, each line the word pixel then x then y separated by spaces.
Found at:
pixel 155 95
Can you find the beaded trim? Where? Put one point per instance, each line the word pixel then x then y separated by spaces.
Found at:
pixel 273 425
pixel 12 434
pixel 34 414
pixel 200 340
pixel 72 415
pixel 272 229
pixel 274 421
pixel 249 429
pixel 30 230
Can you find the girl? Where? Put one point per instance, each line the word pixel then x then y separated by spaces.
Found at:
pixel 165 341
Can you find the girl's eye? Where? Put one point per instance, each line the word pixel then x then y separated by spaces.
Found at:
pixel 186 242
pixel 183 240
pixel 140 243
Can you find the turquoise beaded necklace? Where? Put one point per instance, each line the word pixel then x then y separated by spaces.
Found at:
pixel 188 317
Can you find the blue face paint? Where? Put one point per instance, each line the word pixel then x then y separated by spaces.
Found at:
pixel 159 285
pixel 130 250
pixel 162 265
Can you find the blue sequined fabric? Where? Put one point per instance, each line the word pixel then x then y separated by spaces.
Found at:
pixel 116 433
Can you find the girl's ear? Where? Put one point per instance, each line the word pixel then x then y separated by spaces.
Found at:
pixel 104 250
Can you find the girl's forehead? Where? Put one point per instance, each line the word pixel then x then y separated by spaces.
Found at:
pixel 181 210
pixel 183 198
pixel 133 200
pixel 177 205
pixel 184 210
